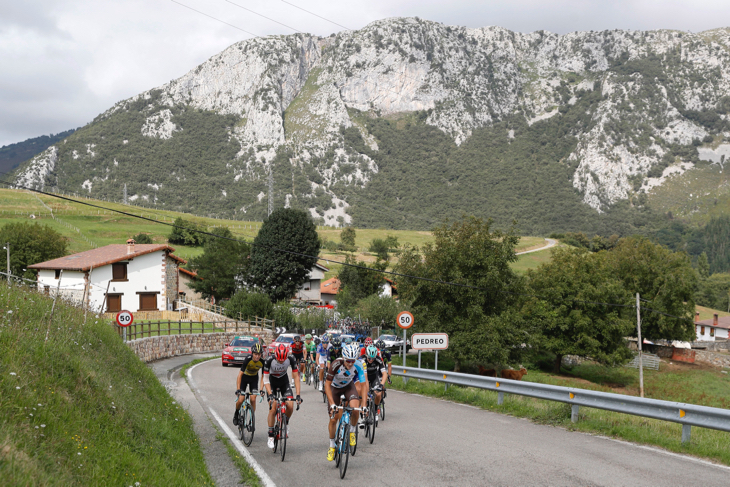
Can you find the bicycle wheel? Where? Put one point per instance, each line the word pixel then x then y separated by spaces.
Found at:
pixel 282 434
pixel 248 427
pixel 345 451
pixel 277 426
pixel 339 439
pixel 382 409
pixel 372 415
pixel 353 449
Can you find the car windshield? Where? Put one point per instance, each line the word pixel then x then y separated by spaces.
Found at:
pixel 283 339
pixel 391 338
pixel 243 342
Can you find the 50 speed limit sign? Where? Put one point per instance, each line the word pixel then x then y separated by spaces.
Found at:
pixel 124 318
pixel 405 319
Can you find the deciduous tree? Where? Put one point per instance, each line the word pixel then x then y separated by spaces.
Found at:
pixel 222 267
pixel 30 243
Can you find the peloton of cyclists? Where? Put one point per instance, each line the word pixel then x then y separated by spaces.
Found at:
pixel 345 376
pixel 276 379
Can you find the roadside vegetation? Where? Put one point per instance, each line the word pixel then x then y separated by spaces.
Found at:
pixel 77 407
pixel 687 383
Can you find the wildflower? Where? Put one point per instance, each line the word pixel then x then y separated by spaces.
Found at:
pixel 17 387
pixel 43 426
pixel 13 373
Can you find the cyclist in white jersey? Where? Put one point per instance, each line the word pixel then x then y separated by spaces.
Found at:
pixel 275 379
pixel 345 376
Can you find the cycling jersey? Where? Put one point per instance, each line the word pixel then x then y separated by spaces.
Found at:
pixel 310 347
pixel 249 367
pixel 297 348
pixel 341 376
pixel 334 354
pixel 276 369
pixel 385 355
pixel 374 369
pixel 322 349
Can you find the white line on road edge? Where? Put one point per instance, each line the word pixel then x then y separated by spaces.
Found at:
pixel 265 479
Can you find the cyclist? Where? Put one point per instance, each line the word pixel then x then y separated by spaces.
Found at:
pixel 309 350
pixel 275 379
pixel 248 377
pixel 375 370
pixel 297 349
pixel 335 350
pixel 385 355
pixel 345 376
pixel 322 354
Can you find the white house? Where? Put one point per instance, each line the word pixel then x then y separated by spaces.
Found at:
pixel 388 289
pixel 329 290
pixel 711 330
pixel 132 277
pixel 310 291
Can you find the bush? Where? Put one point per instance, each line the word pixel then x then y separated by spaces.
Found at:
pixel 247 304
pixel 142 238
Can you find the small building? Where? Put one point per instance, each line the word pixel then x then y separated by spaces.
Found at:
pixel 310 291
pixel 329 290
pixel 186 277
pixel 388 289
pixel 116 277
pixel 713 329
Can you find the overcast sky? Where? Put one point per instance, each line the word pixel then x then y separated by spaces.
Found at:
pixel 62 62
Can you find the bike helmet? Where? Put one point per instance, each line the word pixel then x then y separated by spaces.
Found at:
pixel 281 352
pixel 380 344
pixel 371 351
pixel 317 341
pixel 336 342
pixel 298 338
pixel 325 338
pixel 307 336
pixel 350 352
pixel 256 348
pixel 368 341
pixel 348 341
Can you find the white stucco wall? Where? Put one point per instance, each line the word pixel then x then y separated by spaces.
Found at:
pixel 719 333
pixel 144 274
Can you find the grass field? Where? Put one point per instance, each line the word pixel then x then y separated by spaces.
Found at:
pixel 77 407
pixel 688 383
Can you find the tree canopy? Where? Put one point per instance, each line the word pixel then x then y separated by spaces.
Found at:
pixel 476 313
pixel 222 267
pixel 30 243
pixel 186 232
pixel 358 282
pixel 283 253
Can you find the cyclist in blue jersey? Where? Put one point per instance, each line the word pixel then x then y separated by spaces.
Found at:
pixel 322 355
pixel 345 376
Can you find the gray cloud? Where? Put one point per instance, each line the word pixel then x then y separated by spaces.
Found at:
pixel 64 62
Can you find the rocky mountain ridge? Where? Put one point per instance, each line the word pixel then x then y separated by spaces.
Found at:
pixel 291 104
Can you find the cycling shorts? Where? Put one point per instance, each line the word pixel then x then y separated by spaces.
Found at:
pixel 299 357
pixel 251 382
pixel 349 391
pixel 322 359
pixel 281 384
pixel 375 381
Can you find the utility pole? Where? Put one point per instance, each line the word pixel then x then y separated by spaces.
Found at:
pixel 7 247
pixel 125 194
pixel 271 189
pixel 641 364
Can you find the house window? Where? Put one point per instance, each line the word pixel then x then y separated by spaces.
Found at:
pixel 113 303
pixel 702 330
pixel 58 273
pixel 712 332
pixel 119 272
pixel 148 301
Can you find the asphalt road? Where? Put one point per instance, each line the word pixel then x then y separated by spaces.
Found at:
pixel 426 441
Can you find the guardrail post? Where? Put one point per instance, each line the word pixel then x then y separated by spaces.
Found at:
pixel 686 433
pixel 500 398
pixel 574 413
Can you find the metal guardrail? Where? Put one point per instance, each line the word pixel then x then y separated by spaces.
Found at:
pixel 687 415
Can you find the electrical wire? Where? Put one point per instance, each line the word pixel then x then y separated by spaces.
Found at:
pixel 211 17
pixel 312 13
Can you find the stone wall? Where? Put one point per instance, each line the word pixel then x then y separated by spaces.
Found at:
pixel 714 358
pixel 156 348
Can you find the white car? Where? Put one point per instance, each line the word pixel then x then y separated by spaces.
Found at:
pixel 394 342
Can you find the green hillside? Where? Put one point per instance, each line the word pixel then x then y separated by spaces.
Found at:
pixel 12 155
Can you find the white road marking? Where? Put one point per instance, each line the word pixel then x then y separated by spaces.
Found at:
pixel 265 479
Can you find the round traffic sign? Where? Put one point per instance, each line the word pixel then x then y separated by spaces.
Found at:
pixel 405 319
pixel 124 318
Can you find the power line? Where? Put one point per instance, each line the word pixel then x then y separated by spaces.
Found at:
pixel 370 269
pixel 264 16
pixel 312 13
pixel 211 17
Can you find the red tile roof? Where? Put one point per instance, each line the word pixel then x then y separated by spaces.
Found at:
pixel 83 261
pixel 722 322
pixel 189 273
pixel 330 286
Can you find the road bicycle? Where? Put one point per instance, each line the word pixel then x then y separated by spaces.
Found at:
pixel 381 408
pixel 371 420
pixel 342 435
pixel 281 424
pixel 309 369
pixel 315 378
pixel 246 419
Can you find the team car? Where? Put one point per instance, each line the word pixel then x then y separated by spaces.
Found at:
pixel 394 342
pixel 286 339
pixel 238 349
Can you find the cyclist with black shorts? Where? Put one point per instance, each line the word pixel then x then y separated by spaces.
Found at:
pixel 376 372
pixel 276 379
pixel 345 376
pixel 297 349
pixel 322 355
pixel 386 356
pixel 248 377
pixel 309 349
pixel 335 350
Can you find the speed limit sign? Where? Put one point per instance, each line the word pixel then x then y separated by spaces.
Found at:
pixel 405 319
pixel 124 318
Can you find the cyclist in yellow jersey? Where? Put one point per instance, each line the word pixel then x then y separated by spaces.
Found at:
pixel 249 377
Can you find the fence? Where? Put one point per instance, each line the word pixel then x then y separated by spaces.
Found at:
pixel 687 415
pixel 648 361
pixel 200 309
pixel 169 327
